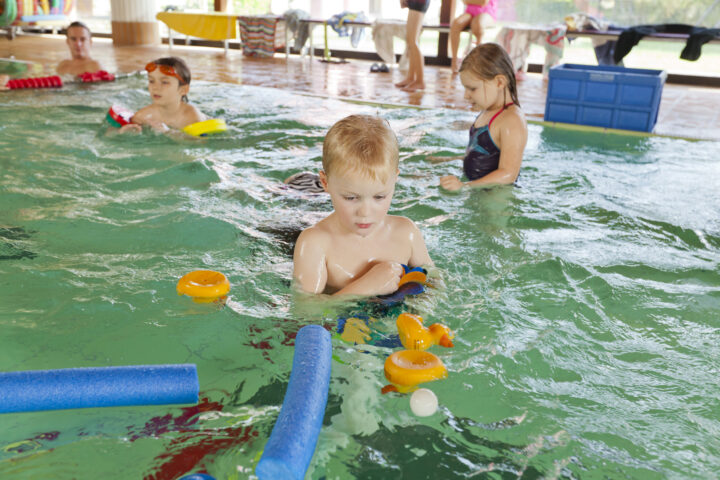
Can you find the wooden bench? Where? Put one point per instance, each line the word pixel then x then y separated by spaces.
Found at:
pixel 442 28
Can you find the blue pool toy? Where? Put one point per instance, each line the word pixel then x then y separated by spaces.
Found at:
pixel 292 442
pixel 411 283
pixel 197 476
pixel 35 390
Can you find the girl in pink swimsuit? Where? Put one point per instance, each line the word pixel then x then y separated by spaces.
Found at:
pixel 473 15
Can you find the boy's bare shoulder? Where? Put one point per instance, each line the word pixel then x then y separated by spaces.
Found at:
pixel 192 114
pixel 402 224
pixel 143 112
pixel 318 234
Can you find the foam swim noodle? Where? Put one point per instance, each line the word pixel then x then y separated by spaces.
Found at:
pixel 292 442
pixel 35 390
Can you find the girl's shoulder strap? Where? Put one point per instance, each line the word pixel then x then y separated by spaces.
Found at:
pixel 499 112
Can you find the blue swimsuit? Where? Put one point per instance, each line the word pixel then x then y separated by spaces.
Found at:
pixel 482 156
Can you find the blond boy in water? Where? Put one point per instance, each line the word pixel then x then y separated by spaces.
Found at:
pixel 358 249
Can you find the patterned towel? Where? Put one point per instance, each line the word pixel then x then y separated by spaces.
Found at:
pixel 258 35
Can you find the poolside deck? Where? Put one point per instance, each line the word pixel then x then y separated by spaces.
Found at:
pixel 684 111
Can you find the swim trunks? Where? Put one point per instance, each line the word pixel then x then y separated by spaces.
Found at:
pixel 418 5
pixel 305 182
pixel 490 8
pixel 482 156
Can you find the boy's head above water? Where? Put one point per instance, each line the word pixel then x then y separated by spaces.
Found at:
pixel 168 80
pixel 361 146
pixel 358 249
pixel 360 168
pixel 171 66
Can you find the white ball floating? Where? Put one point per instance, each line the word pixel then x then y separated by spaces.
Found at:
pixel 423 402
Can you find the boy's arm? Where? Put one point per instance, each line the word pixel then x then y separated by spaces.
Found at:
pixel 309 268
pixel 419 255
pixel 381 279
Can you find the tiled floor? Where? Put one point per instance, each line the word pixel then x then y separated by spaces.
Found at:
pixel 684 111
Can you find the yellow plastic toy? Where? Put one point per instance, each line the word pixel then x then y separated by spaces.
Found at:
pixel 201 129
pixel 408 368
pixel 414 275
pixel 414 336
pixel 204 286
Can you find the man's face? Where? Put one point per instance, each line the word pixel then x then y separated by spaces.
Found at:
pixel 79 42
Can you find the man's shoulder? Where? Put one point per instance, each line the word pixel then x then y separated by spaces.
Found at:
pixel 93 65
pixel 63 66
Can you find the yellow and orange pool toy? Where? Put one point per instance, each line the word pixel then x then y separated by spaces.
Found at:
pixel 414 336
pixel 204 286
pixel 406 369
pixel 413 275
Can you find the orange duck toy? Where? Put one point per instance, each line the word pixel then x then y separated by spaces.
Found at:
pixel 414 336
pixel 408 368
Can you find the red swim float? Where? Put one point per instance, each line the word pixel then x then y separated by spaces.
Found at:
pixel 119 116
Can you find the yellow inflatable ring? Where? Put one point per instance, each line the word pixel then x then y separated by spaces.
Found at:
pixel 407 368
pixel 200 129
pixel 203 285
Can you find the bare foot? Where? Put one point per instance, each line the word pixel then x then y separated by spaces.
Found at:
pixel 454 65
pixel 3 82
pixel 404 83
pixel 414 87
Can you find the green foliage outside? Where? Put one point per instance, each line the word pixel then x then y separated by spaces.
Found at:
pixel 245 7
pixel 621 12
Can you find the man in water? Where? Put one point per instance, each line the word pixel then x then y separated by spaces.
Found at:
pixel 79 40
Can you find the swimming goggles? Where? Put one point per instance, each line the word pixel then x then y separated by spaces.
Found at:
pixel 165 70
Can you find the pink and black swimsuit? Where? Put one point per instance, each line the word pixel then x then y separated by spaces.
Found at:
pixel 490 8
pixel 482 156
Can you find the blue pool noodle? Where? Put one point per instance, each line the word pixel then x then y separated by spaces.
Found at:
pixel 292 442
pixel 98 387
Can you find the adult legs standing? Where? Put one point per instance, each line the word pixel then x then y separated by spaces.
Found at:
pixel 414 80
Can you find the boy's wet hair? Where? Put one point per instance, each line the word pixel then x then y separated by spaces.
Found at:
pixel 78 24
pixel 178 65
pixel 489 60
pixel 364 144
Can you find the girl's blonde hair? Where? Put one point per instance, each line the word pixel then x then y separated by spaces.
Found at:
pixel 489 60
pixel 364 144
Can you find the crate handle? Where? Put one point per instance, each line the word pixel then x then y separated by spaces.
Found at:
pixel 602 77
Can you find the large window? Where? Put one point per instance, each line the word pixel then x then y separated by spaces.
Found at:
pixel 648 54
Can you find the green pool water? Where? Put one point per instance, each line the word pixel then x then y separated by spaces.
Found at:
pixel 585 303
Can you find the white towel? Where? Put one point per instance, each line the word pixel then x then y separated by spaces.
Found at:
pixel 383 32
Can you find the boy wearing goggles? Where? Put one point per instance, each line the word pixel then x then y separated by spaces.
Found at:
pixel 168 84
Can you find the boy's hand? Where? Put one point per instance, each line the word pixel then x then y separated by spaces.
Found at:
pixel 451 182
pixel 159 127
pixel 131 127
pixel 383 278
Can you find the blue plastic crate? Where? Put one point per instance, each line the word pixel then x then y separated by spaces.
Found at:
pixel 604 96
